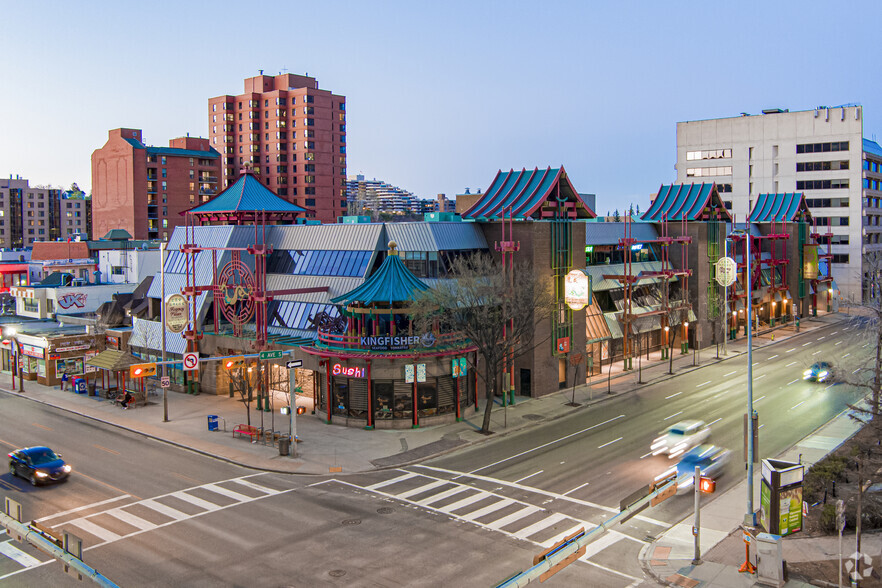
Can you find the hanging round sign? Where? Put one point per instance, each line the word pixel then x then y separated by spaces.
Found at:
pixel 176 315
pixel 726 269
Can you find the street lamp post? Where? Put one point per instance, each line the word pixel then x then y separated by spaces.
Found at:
pixel 750 516
pixel 162 248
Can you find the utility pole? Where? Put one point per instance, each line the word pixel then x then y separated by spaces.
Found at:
pixel 696 527
pixel 162 249
pixel 750 516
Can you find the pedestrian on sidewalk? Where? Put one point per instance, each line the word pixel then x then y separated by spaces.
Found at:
pixel 63 381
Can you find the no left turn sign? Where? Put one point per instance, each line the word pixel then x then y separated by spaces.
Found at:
pixel 191 360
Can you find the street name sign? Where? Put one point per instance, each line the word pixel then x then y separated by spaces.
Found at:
pixel 271 354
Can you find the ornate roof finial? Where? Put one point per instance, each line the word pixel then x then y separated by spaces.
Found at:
pixel 393 248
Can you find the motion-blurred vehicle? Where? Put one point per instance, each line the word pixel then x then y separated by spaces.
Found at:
pixel 819 372
pixel 710 458
pixel 38 465
pixel 680 438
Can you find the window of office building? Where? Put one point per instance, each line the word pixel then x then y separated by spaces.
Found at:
pixel 691 172
pixel 822 147
pixel 821 184
pixel 806 166
pixel 690 155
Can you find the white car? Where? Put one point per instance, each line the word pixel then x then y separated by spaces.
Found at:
pixel 680 438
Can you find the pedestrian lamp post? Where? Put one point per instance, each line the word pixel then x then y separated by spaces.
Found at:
pixel 666 346
pixel 16 358
pixel 750 516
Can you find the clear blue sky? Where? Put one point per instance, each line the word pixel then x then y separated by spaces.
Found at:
pixel 440 95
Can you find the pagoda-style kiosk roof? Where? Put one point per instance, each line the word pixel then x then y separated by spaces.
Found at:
pixel 244 202
pixel 391 283
pixel 689 202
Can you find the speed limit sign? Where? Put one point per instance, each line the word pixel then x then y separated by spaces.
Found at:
pixel 191 360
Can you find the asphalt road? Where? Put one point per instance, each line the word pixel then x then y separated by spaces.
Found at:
pixel 154 515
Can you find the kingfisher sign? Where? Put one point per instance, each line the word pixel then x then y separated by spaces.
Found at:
pixel 398 342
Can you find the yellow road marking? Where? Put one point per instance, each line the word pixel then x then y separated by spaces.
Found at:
pixel 106 449
pixel 8 443
pixel 42 426
pixel 186 478
pixel 121 491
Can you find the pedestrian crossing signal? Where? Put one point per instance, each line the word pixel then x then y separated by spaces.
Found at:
pixel 707 485
pixel 233 363
pixel 142 370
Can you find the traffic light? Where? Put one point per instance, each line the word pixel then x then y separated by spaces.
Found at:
pixel 233 363
pixel 707 485
pixel 142 370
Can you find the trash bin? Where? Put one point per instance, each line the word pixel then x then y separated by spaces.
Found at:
pixel 92 389
pixel 284 445
pixel 212 422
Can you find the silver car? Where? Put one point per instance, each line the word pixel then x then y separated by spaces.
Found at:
pixel 680 438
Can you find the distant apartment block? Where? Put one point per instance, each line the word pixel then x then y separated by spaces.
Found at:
pixel 144 189
pixel 30 214
pixel 291 134
pixel 820 152
pixel 376 196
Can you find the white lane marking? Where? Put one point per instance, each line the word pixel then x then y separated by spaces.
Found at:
pixel 195 500
pixel 482 512
pixel 755 363
pixel 806 344
pixel 760 398
pixel 672 395
pixel 440 496
pixel 528 489
pixel 228 493
pixel 716 421
pixel 621 416
pixel 837 343
pixel 704 383
pixel 17 555
pixel 856 371
pixel 538 526
pixel 406 476
pixel 830 386
pixel 600 544
pixel 789 350
pixel 846 355
pixel 833 333
pixel 773 357
pixel 423 488
pixel 79 508
pixel 586 483
pixel 642 456
pixel 130 519
pixel 730 373
pixel 163 509
pixel 672 416
pixel 515 516
pixel 793 382
pixel 817 352
pixel 795 405
pixel 92 528
pixel 257 487
pixel 819 338
pixel 610 443
pixel 791 363
pixel 760 377
pixel 481 495
pixel 761 426
pixel 530 476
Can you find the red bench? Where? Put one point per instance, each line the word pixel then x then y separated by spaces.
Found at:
pixel 249 430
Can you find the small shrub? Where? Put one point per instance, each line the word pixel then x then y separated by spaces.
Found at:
pixel 827 520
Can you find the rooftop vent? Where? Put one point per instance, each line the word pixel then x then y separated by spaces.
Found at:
pixel 773 111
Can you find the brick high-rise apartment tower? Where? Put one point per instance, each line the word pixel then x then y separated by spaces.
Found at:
pixel 293 136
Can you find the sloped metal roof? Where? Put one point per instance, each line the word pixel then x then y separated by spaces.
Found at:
pixel 147 334
pixel 787 207
pixel 211 154
pixel 340 237
pixel 246 194
pixel 610 233
pixel 436 236
pixel 599 283
pixel 521 195
pixel 337 286
pixel 392 282
pixel 113 360
pixel 872 147
pixel 689 201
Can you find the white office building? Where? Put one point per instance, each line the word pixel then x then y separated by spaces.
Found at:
pixel 820 152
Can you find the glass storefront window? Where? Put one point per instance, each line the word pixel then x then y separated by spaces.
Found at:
pixel 340 398
pixel 427 397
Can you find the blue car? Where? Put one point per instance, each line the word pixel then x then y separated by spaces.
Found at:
pixel 710 458
pixel 38 465
pixel 819 372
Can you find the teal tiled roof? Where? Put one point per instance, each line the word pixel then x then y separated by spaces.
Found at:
pixel 247 194
pixel 210 154
pixel 779 208
pixel 392 282
pixel 685 201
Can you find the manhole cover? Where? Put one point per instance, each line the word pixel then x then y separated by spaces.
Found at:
pixel 385 510
pixel 337 573
pixel 533 417
pixel 352 522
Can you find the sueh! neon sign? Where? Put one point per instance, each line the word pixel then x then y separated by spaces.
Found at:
pixel 342 370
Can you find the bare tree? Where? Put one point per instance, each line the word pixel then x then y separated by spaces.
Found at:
pixel 576 360
pixel 244 380
pixel 495 310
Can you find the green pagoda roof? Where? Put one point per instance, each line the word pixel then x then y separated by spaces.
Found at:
pixel 393 282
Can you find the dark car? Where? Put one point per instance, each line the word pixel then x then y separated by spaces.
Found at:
pixel 710 458
pixel 38 465
pixel 819 372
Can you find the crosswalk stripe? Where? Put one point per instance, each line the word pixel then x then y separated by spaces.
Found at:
pixel 443 495
pixel 536 527
pixel 228 493
pixel 257 487
pixel 166 510
pixel 421 489
pixel 194 500
pixel 600 544
pixel 515 516
pixel 559 536
pixel 464 502
pixel 131 519
pixel 17 555
pixel 92 528
pixel 481 512
pixel 401 478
